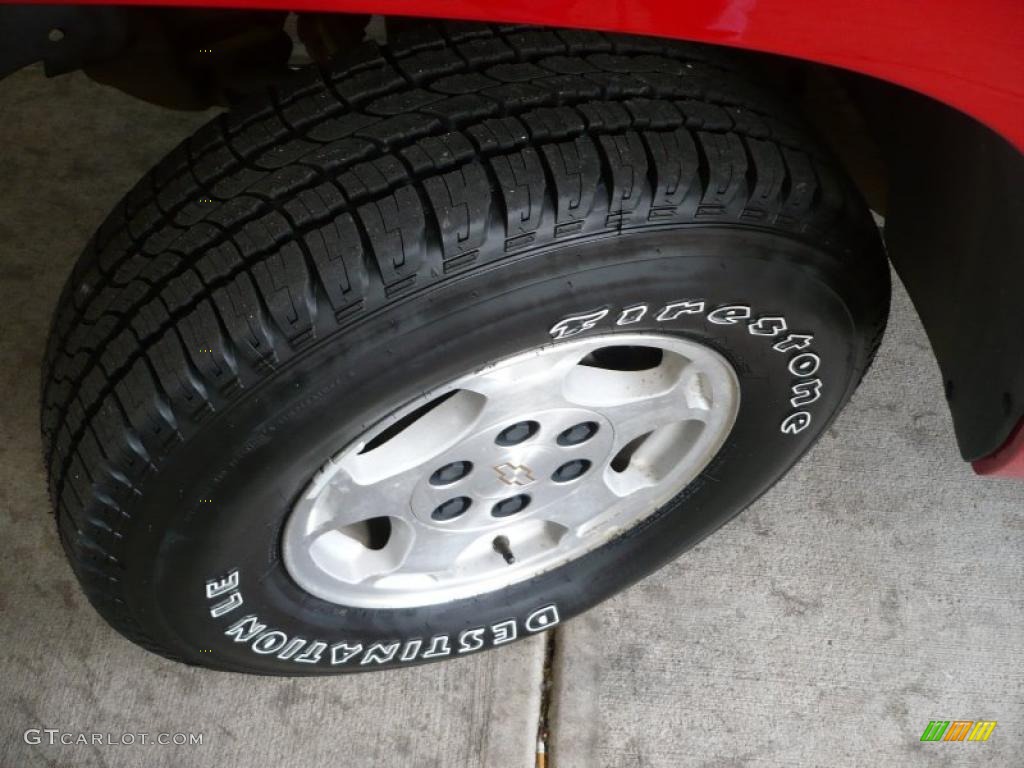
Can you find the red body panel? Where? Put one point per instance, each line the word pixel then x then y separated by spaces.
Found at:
pixel 1008 461
pixel 966 53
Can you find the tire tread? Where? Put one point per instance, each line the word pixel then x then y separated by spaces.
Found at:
pixel 290 218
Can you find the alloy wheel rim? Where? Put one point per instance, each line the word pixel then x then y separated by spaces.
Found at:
pixel 510 471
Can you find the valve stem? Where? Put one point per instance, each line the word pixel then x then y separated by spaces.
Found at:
pixel 501 546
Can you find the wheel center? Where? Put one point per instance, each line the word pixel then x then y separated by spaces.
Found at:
pixel 520 467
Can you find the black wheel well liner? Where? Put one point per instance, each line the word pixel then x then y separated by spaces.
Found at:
pixel 955 234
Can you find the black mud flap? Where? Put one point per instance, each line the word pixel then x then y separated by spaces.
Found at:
pixel 955 232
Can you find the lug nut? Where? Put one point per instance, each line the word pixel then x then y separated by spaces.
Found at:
pixel 577 434
pixel 507 507
pixel 451 473
pixel 451 509
pixel 517 433
pixel 570 470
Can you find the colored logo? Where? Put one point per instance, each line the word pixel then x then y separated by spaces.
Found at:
pixel 958 730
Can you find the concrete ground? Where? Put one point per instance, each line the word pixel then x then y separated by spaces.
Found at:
pixel 876 588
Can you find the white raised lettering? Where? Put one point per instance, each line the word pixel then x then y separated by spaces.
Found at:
pixel 471 640
pixel 504 632
pixel 541 619
pixel 793 341
pixel 767 326
pixel 632 315
pixel 805 392
pixel 577 324
pixel 271 642
pixel 439 646
pixel 342 652
pixel 796 423
pixel 678 309
pixel 215 588
pixel 312 654
pixel 729 315
pixel 380 653
pixel 245 629
pixel 226 606
pixel 804 365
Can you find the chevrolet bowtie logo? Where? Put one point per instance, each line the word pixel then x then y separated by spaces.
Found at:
pixel 514 474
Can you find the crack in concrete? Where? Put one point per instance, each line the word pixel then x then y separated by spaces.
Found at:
pixel 547 684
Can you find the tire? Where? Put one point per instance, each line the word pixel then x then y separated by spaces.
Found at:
pixel 299 272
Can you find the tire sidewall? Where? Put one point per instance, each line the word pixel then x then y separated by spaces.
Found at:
pixel 215 513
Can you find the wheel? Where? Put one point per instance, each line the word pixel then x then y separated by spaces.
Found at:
pixel 440 349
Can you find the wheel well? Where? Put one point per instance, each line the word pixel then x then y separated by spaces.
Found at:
pixel 949 188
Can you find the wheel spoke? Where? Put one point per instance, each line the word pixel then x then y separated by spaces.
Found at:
pixel 589 505
pixel 533 384
pixel 637 405
pixel 340 507
pixel 336 502
pixel 414 443
pixel 433 552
